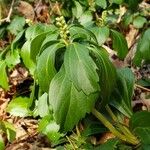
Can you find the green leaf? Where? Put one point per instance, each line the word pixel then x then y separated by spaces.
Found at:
pixel 77 32
pixel 122 95
pixel 117 1
pixel 2 144
pixel 101 3
pixel 43 109
pixel 101 33
pixel 25 55
pixel 109 145
pixel 34 31
pixel 17 40
pixel 106 72
pixel 86 19
pixel 38 29
pixel 145 147
pixel 140 124
pixel 36 44
pixel 48 127
pixel 10 131
pixel 19 107
pixel 3 76
pixel 140 120
pixel 49 40
pixel 119 44
pixel 13 58
pixel 143 48
pixel 81 68
pixel 46 66
pixel 124 146
pixel 133 4
pixel 69 105
pixel 16 25
pixel 2 32
pixel 143 133
pixel 77 10
pixel 144 82
pixel 139 21
pixel 127 18
pixel 93 128
pixel 137 60
pixel 128 75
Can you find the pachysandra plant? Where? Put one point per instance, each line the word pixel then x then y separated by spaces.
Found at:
pixel 73 72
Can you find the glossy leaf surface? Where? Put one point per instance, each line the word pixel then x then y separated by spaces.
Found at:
pixel 102 3
pixel 69 104
pixel 48 127
pixel 106 72
pixel 3 77
pixel 9 130
pixel 16 25
pixel 2 144
pixel 36 45
pixel 139 21
pixel 25 54
pixel 19 107
pixel 122 95
pixel 143 48
pixel 119 44
pixel 46 66
pixel 101 33
pixel 140 124
pixel 42 107
pixel 81 69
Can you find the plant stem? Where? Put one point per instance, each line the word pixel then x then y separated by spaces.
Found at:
pixel 107 124
pixel 7 19
pixel 143 88
pixel 111 113
pixel 122 127
pixel 73 147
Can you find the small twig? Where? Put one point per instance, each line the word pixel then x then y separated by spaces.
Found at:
pixel 4 99
pixel 141 87
pixel 24 137
pixel 122 12
pixel 7 19
pixel 38 4
pixel 77 130
pixel 109 50
pixel 142 101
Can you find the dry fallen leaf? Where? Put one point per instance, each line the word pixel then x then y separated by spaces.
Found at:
pixel 131 35
pixel 26 9
pixel 105 137
pixel 42 13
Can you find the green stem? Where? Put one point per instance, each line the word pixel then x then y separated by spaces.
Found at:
pixel 71 143
pixel 111 113
pixel 4 52
pixel 122 127
pixel 107 124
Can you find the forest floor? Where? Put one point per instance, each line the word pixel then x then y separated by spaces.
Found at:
pixel 27 136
